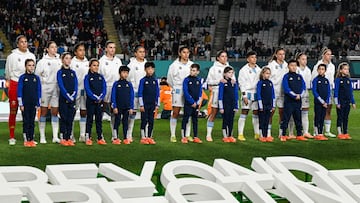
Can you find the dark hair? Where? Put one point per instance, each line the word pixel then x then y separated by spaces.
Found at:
pixel 29 60
pixel 195 65
pixel 182 48
pixel 322 64
pixel 263 70
pixel 251 53
pixel 149 64
pixel 227 69
pixel 273 57
pixel 49 43
pixel 340 67
pixel 137 47
pixel 64 54
pixel 92 60
pixel 76 47
pixel 292 61
pixel 218 53
pixel 124 69
pixel 164 78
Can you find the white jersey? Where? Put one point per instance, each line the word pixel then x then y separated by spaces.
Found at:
pixel 329 74
pixel 277 73
pixel 109 68
pixel 216 73
pixel 137 72
pixel 15 64
pixel 248 78
pixel 177 72
pixel 306 74
pixel 47 69
pixel 81 68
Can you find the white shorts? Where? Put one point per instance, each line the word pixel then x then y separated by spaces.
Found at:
pixel 305 100
pixel 107 98
pixel 81 100
pixel 252 105
pixel 215 97
pixel 49 96
pixel 279 101
pixel 178 99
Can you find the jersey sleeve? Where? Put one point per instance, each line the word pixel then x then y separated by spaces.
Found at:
pixel 103 93
pixel 20 90
pixel 187 96
pixel 113 95
pixel 74 94
pixel 132 96
pixel 221 95
pixel 157 102
pixel 315 92
pixel 336 91
pixel 236 93
pixel 170 78
pixel 258 94
pixel 140 92
pixel 38 90
pixel 286 87
pixel 88 91
pixel 60 81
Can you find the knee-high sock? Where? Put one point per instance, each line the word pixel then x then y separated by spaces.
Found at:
pixel 255 122
pixel 291 126
pixel 305 121
pixel 241 124
pixel 173 122
pixel 12 122
pixel 82 124
pixel 269 130
pixel 112 121
pixel 130 127
pixel 327 125
pixel 188 128
pixel 42 125
pixel 339 130
pixel 55 125
pixel 210 125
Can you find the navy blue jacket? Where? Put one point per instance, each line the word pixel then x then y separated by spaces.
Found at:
pixel 343 92
pixel 95 86
pixel 321 90
pixel 122 95
pixel 192 89
pixel 293 84
pixel 265 94
pixel 29 90
pixel 148 91
pixel 228 95
pixel 68 84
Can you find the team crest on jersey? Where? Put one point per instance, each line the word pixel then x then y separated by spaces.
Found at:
pixel 320 82
pixel 77 66
pixel 190 83
pixel 100 78
pixel 106 63
pixel 326 82
pixel 127 85
pixel 154 82
pixel 19 59
pixel 197 82
pixel 49 63
pixel 341 81
pixel 34 79
pixel 270 84
pixel 63 75
pixel 72 75
pixel 299 78
pixel 291 78
pixel 250 71
pixel 136 68
pixel 180 67
pixel 91 79
pixel 26 80
pixel 219 71
pixel 348 82
pixel 276 67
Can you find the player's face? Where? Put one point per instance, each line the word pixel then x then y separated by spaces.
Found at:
pixel 292 67
pixel 66 60
pixel 184 54
pixel 321 70
pixel 252 59
pixel 266 75
pixel 140 54
pixel 327 56
pixel 280 55
pixel 30 67
pixel 124 74
pixel 110 49
pixel 149 71
pixel 194 72
pixel 22 44
pixel 94 67
pixel 345 70
pixel 229 74
pixel 303 60
pixel 52 49
pixel 222 58
pixel 80 52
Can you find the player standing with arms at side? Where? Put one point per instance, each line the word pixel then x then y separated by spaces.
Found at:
pixel 14 67
pixel 47 69
pixel 177 72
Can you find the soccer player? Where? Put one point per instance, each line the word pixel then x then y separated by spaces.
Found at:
pixel 14 67
pixel 177 72
pixel 248 78
pixel 149 103
pixel 47 69
pixel 192 89
pixel 29 96
pixel 68 85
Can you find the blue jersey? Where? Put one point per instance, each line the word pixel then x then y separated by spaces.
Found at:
pixel 122 95
pixel 29 90
pixel 192 88
pixel 321 90
pixel 148 91
pixel 95 86
pixel 265 94
pixel 343 92
pixel 68 84
pixel 293 84
pixel 228 95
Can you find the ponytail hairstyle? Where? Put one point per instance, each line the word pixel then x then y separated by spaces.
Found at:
pixel 263 70
pixel 323 51
pixel 181 48
pixel 273 57
pixel 218 53
pixel 341 66
pixel 297 57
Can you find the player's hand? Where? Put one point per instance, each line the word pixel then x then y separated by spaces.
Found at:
pixel 297 97
pixel 142 109
pixel 354 106
pixel 338 106
pixel 131 111
pixel 194 105
pixel 272 110
pixel 246 100
pixel 21 108
pixel 325 105
pixel 222 111
pixel 115 110
pixel 236 110
pixel 233 81
pixel 261 109
pixel 156 108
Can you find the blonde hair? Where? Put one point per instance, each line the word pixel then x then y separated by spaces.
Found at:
pixel 341 66
pixel 273 57
pixel 263 70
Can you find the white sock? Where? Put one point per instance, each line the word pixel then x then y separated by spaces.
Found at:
pixel 112 121
pixel 339 130
pixel 209 128
pixel 269 130
pixel 255 122
pixel 280 132
pixel 224 133
pixel 115 133
pixel 42 125
pixel 182 133
pixel 55 125
pixel 142 132
pixel 241 124
pixel 305 121
pixel 316 131
pixel 173 122
pixel 188 128
pixel 291 126
pixel 327 125
pixel 130 127
pixel 82 124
